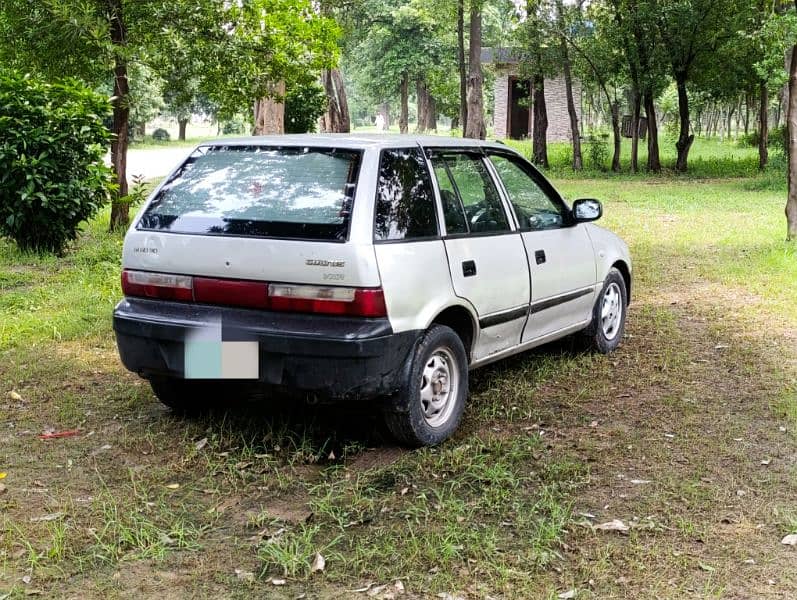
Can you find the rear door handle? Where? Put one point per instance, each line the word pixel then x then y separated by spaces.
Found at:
pixel 539 256
pixel 468 268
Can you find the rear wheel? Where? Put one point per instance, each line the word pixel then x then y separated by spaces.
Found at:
pixel 608 315
pixel 429 407
pixel 186 396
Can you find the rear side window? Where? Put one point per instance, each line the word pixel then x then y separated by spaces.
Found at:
pixel 405 205
pixel 302 193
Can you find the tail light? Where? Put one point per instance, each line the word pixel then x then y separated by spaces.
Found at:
pixel 347 301
pixel 157 285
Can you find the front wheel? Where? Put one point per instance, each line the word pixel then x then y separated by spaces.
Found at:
pixel 608 315
pixel 429 407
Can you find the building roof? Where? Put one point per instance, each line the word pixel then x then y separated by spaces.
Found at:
pixel 351 140
pixel 501 56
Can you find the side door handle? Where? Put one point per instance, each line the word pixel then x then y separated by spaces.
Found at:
pixel 468 268
pixel 539 256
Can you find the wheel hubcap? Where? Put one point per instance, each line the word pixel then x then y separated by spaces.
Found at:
pixel 439 387
pixel 611 311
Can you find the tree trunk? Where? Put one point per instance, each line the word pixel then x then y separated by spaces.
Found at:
pixel 763 128
pixel 635 111
pixel 431 112
pixel 654 162
pixel 791 119
pixel 423 106
pixel 539 130
pixel 120 215
pixel 182 124
pixel 384 110
pixel 685 139
pixel 474 126
pixel 270 111
pixel 575 133
pixel 405 111
pixel 615 107
pixel 463 77
pixel 336 118
pixel 747 114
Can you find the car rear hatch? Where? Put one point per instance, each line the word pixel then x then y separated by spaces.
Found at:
pixel 259 227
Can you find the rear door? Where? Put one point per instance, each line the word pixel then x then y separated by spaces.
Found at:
pixel 560 253
pixel 486 256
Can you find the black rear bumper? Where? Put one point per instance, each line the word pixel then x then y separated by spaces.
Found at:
pixel 331 356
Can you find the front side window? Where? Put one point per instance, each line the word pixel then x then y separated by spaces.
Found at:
pixel 405 207
pixel 534 208
pixel 303 193
pixel 478 207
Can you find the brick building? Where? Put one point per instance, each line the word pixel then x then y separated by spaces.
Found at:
pixel 512 117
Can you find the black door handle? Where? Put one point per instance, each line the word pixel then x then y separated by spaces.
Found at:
pixel 539 256
pixel 468 268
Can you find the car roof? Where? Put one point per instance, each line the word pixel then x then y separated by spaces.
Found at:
pixel 354 141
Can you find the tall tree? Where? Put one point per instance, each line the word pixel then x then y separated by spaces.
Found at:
pixel 474 125
pixel 106 36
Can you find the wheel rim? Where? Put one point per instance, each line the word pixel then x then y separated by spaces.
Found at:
pixel 439 387
pixel 611 311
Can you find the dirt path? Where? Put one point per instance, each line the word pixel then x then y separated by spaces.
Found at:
pixel 687 447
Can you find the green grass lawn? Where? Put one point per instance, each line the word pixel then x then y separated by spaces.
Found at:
pixel 142 503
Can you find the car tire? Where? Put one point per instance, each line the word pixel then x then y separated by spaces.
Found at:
pixel 185 396
pixel 608 315
pixel 429 406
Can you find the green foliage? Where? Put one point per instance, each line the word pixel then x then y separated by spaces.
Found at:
pixel 161 135
pixel 305 102
pixel 598 151
pixel 52 175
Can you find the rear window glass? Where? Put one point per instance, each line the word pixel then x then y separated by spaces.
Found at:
pixel 303 193
pixel 405 207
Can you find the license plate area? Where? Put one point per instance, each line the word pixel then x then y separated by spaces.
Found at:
pixel 221 359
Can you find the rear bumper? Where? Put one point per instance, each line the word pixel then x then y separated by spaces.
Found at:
pixel 334 357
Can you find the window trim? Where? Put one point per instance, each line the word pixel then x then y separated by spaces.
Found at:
pixel 478 151
pixel 205 148
pixel 534 174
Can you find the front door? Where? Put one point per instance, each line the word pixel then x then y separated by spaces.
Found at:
pixel 560 254
pixel 486 256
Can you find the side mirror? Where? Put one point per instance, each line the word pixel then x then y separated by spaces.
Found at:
pixel 586 210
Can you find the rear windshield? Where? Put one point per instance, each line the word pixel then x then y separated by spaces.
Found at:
pixel 303 193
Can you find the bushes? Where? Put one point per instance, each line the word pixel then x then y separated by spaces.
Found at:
pixel 52 175
pixel 161 135
pixel 598 151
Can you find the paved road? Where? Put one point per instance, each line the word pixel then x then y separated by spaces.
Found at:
pixel 153 162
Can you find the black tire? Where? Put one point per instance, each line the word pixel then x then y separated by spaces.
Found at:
pixel 186 396
pixel 598 338
pixel 407 415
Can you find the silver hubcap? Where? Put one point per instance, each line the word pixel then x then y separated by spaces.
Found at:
pixel 611 311
pixel 439 386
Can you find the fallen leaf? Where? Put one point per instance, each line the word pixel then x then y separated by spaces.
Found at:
pixel 173 486
pixel 766 461
pixel 331 455
pixel 166 540
pixel 790 540
pixel 593 424
pixel 2 489
pixel 613 525
pixel 51 517
pixel 365 588
pixel 707 568
pixel 247 576
pixel 640 481
pixel 26 579
pixel 319 563
pixel 398 586
pixel 567 595
pixel 721 346
pixel 14 395
pixel 201 444
pixel 3 475
pixel 278 582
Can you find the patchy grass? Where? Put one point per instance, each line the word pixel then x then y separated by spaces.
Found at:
pixel 686 435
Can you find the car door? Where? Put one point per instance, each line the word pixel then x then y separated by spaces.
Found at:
pixel 486 256
pixel 560 253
